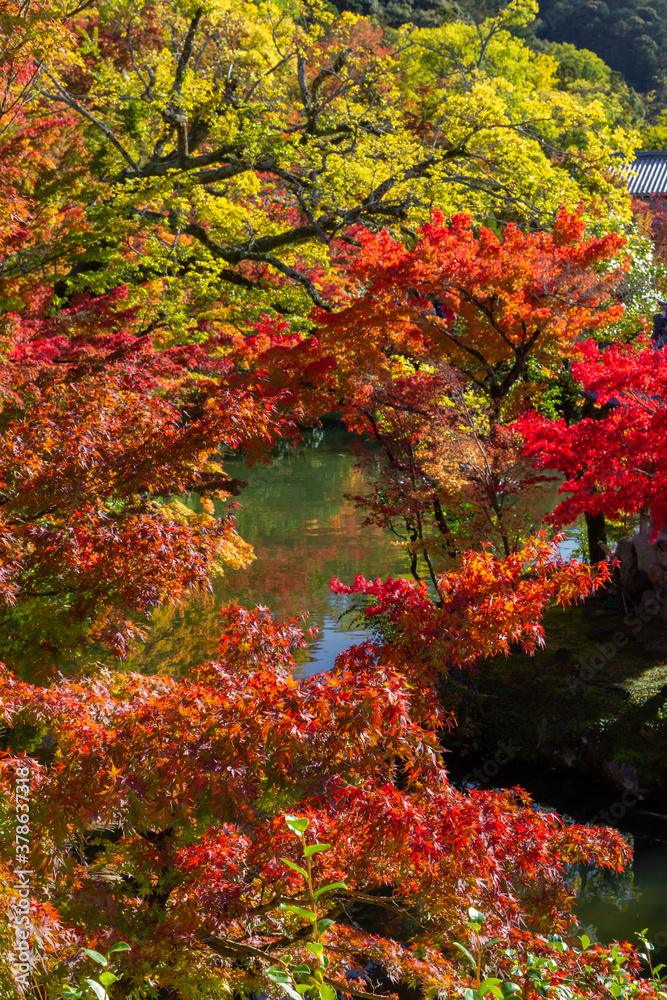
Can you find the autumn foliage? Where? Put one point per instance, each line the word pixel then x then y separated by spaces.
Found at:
pixel 481 610
pixel 101 435
pixel 481 303
pixel 615 463
pixel 439 344
pixel 193 264
pixel 155 822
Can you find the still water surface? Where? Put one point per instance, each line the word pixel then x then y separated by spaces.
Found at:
pixel 304 533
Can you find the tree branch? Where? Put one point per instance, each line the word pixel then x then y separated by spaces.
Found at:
pixel 186 51
pixel 66 98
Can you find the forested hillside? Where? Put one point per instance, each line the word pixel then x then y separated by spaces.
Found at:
pixel 629 36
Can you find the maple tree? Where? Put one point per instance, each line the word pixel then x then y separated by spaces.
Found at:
pixel 614 464
pixel 158 821
pixel 181 183
pixel 224 198
pixel 479 610
pixel 164 233
pixel 105 423
pixel 447 478
pixel 101 433
pixel 483 304
pixel 438 344
pixel 28 29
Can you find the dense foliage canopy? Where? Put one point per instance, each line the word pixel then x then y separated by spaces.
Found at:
pixel 613 464
pixel 220 222
pixel 628 35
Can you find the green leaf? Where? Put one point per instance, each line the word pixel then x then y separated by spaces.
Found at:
pixel 470 995
pixel 304 988
pixel 327 888
pixel 489 985
pixel 315 948
pixel 299 910
pixel 509 989
pixel 323 925
pixel 292 864
pixel 277 975
pixel 98 990
pixel 327 992
pixel 107 978
pixel 585 941
pixel 302 968
pixel 96 957
pixel 292 992
pixel 297 824
pixel 475 915
pixel 315 849
pixel 324 961
pixel 466 953
pixel 121 946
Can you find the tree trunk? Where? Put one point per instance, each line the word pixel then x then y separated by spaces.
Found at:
pixel 597 533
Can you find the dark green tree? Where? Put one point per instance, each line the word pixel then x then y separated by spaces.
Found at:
pixel 630 35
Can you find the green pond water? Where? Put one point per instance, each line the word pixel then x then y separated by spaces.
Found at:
pixel 613 907
pixel 304 533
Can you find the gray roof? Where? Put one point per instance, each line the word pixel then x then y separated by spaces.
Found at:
pixel 650 171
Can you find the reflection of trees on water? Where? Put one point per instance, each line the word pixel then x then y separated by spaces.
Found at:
pixel 601 896
pixel 616 906
pixel 181 637
pixel 612 888
pixel 303 532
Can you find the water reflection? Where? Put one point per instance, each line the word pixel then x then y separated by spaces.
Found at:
pixel 614 906
pixel 304 533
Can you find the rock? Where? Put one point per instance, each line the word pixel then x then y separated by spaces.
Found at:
pixel 643 571
pixel 622 774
